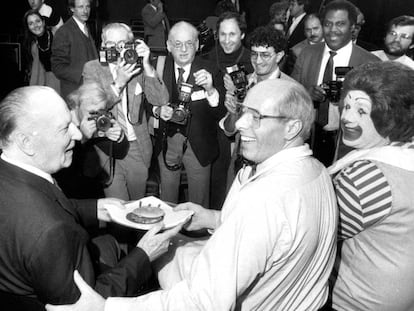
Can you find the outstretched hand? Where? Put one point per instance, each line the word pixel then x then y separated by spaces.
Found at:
pixel 88 301
pixel 155 243
pixel 202 218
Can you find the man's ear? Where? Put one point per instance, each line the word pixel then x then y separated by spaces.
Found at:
pixel 293 129
pixel 24 142
pixel 279 56
pixel 169 47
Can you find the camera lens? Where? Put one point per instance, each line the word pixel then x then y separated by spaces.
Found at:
pixel 130 56
pixel 103 123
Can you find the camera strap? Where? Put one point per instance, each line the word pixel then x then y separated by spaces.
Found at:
pixel 140 115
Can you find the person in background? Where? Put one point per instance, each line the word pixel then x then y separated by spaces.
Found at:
pixel 373 183
pixel 126 85
pixel 316 66
pixel 52 16
pixel 398 40
pixel 267 50
pixel 295 30
pixel 273 245
pixel 44 236
pixel 314 35
pixel 72 47
pixel 229 51
pixel 38 48
pixel 188 142
pixel 278 13
pixel 156 24
pixel 357 29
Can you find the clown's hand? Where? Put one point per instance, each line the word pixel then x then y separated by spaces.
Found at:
pixel 88 301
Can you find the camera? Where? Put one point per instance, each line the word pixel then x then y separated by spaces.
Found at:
pixel 181 110
pixel 127 52
pixel 333 88
pixel 102 119
pixel 239 78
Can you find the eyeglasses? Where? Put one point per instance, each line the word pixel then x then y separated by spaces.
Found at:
pixel 179 45
pixel 263 55
pixel 255 116
pixel 395 34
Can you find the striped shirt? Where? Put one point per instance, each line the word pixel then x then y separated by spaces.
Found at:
pixel 364 196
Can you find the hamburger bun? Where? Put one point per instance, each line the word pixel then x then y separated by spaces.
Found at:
pixel 146 214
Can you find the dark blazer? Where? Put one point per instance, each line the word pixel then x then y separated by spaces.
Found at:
pixel 71 49
pixel 298 34
pixel 203 124
pixel 308 64
pixel 154 30
pixel 43 239
pixel 155 92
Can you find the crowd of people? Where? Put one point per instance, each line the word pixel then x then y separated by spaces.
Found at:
pixel 296 140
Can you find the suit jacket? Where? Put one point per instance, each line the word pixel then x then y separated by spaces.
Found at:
pixel 308 64
pixel 43 239
pixel 155 92
pixel 298 34
pixel 204 118
pixel 71 49
pixel 154 30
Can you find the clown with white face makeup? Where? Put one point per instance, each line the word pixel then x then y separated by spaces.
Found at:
pixel 374 187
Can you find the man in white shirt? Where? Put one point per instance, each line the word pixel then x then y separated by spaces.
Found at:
pixel 274 242
pixel 312 71
pixel 398 40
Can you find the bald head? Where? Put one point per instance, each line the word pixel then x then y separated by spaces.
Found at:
pixel 36 128
pixel 183 27
pixel 286 98
pixel 183 43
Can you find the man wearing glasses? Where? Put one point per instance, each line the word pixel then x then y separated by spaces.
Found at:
pixel 125 83
pixel 398 40
pixel 267 50
pixel 273 244
pixel 189 143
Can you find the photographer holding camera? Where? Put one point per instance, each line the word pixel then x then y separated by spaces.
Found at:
pixel 315 70
pixel 187 133
pixel 267 50
pixel 124 72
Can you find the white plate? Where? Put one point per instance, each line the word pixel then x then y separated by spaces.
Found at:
pixel 171 218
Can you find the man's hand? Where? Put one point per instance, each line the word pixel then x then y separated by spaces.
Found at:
pixel 114 133
pixel 231 103
pixel 228 84
pixel 166 112
pixel 155 243
pixel 124 73
pixel 204 79
pixel 87 127
pixel 317 93
pixel 102 212
pixel 88 301
pixel 202 218
pixel 144 51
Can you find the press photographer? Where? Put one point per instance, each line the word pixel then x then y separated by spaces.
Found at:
pixel 187 131
pixel 123 71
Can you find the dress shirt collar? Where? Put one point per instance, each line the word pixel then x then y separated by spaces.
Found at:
pixel 28 168
pixel 187 69
pixel 345 51
pixel 275 75
pixel 82 26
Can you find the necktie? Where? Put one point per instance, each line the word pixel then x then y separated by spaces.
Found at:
pixel 120 116
pixel 180 77
pixel 323 111
pixel 246 172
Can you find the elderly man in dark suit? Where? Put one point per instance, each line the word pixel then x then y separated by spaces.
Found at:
pixel 126 83
pixel 156 25
pixel 192 144
pixel 314 68
pixel 72 47
pixel 44 236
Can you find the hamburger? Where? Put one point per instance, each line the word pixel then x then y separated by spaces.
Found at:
pixel 146 214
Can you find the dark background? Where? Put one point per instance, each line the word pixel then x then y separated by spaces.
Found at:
pixel 377 14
